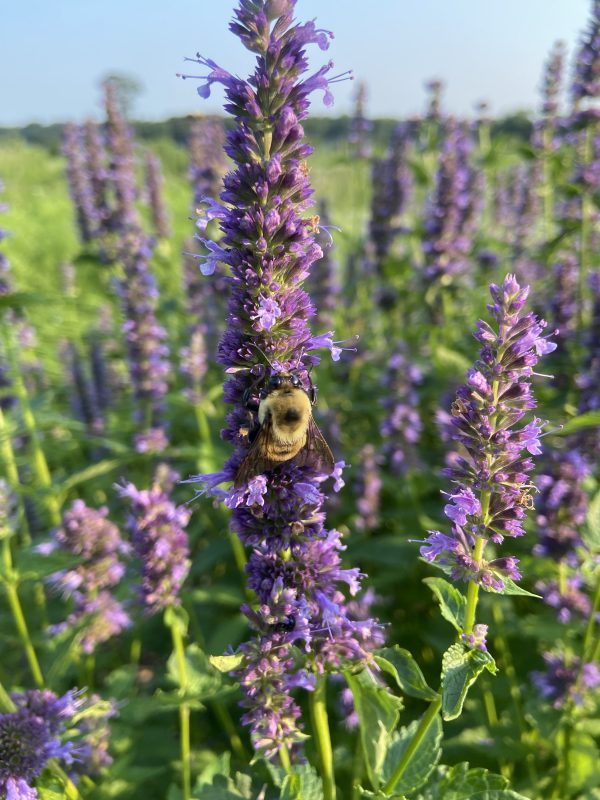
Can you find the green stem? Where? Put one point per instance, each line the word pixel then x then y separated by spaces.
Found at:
pixel 473 589
pixel 318 709
pixel 184 713
pixel 585 228
pixel 284 757
pixel 420 733
pixel 7 705
pixel 18 615
pixel 40 465
pixel 9 460
pixel 513 683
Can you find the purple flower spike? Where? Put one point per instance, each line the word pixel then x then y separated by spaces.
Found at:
pixel 87 533
pixel 302 621
pixel 491 466
pixel 586 83
pixel 157 529
pixel 145 341
pixel 32 735
pixel 561 680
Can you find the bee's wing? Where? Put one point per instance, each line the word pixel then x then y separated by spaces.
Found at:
pixel 316 453
pixel 254 462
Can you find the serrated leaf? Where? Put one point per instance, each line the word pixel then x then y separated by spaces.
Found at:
pixel 227 663
pixel 378 711
pixel 591 532
pixel 201 679
pixel 304 784
pixel 400 664
pixel 423 761
pixel 460 669
pixel 511 588
pixel 452 602
pixel 462 783
pixel 224 788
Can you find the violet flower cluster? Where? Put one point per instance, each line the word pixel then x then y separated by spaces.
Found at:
pixel 157 530
pixel 80 185
pixel 566 680
pixel 88 399
pixel 491 469
pixel 360 126
pixel 154 187
pixel 453 209
pixel 5 283
pixel 392 187
pixel 323 283
pixel 589 380
pixel 145 342
pixel 561 505
pixel 301 619
pixel 586 83
pixel 402 426
pixel 552 80
pixel 207 159
pixel 121 164
pixel 90 536
pixel 368 488
pixel 34 733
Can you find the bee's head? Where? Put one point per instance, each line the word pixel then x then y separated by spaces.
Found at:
pixel 283 380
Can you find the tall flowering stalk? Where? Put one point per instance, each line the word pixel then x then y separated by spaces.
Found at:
pixel 80 185
pixel 157 528
pixel 207 159
pixel 586 83
pixel 88 534
pixel 145 342
pixel 360 126
pixel 452 211
pixel 392 187
pixel 492 489
pixel 301 620
pixel 121 163
pixel 402 426
pixel 154 187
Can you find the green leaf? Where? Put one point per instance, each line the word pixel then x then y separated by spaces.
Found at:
pixel 512 588
pixel 304 784
pixel 224 788
pixel 400 664
pixel 227 663
pixel 219 764
pixel 591 419
pixel 378 712
pixel 462 783
pixel 591 532
pixel 40 565
pixel 451 360
pixel 452 602
pixel 423 760
pixel 460 669
pixel 201 679
pixel 91 472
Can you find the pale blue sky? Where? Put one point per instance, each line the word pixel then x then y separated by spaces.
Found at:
pixel 52 52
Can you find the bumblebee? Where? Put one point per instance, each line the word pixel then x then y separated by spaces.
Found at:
pixel 284 429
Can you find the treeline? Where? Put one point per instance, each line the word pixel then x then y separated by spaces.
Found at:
pixel 319 130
